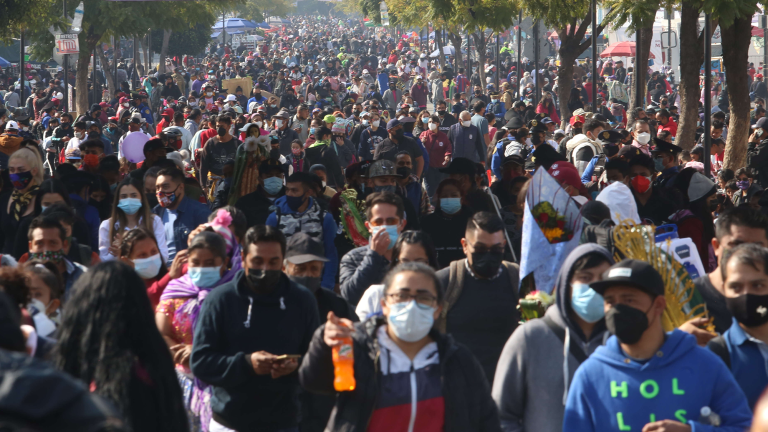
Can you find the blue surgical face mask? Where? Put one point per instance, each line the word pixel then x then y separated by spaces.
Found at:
pixel 312 130
pixel 658 163
pixel 273 185
pixel 42 208
pixel 148 268
pixel 112 187
pixel 129 205
pixel 391 232
pixel 425 120
pixel 586 302
pixel 450 205
pixel 204 277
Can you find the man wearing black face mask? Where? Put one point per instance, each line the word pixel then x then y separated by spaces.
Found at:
pixel 596 167
pixel 745 285
pixel 254 387
pixel 217 151
pixel 646 379
pixel 304 261
pixel 397 142
pixel 298 212
pixel 481 292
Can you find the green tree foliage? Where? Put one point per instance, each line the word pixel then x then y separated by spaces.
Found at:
pixel 16 15
pixel 187 42
pixel 256 10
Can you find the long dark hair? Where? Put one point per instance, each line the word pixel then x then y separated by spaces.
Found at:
pixel 575 96
pixel 146 217
pixel 107 331
pixel 51 186
pixel 414 237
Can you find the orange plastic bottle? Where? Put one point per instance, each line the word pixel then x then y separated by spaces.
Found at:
pixel 344 366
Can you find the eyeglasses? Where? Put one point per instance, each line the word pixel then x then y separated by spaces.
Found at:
pixel 423 300
pixel 387 221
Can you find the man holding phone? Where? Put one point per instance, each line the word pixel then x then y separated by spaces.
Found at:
pixel 757 152
pixel 249 337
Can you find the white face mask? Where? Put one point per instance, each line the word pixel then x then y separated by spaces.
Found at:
pixel 259 123
pixel 278 123
pixel 147 268
pixel 192 103
pixel 410 321
pixel 643 137
pixel 365 122
pixel 466 123
pixel 80 135
pixel 375 123
pixel 126 104
pixel 432 127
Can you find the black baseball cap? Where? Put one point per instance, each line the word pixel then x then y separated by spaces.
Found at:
pixel 633 273
pixel 663 146
pixel 303 248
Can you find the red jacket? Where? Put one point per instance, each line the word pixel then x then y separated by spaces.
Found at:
pixel 438 146
pixel 671 126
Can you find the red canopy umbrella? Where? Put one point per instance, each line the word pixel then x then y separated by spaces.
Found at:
pixel 622 49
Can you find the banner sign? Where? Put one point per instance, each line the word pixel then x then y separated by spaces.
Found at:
pixel 67 44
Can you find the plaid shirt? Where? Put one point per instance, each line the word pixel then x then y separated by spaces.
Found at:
pixel 461 83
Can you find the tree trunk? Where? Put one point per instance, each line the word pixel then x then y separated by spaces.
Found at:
pixel 692 44
pixel 565 82
pixel 458 56
pixel 736 39
pixel 145 49
pixel 109 71
pixel 81 79
pixel 164 51
pixel 480 42
pixel 645 37
pixel 440 45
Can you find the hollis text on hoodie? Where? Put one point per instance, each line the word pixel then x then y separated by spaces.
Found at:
pixel 612 392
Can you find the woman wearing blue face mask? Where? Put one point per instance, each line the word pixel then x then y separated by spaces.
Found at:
pixel 534 352
pixel 447 224
pixel 139 250
pixel 409 350
pixel 176 315
pixel 129 210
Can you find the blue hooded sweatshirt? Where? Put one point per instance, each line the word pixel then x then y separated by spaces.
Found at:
pixel 611 392
pixel 328 234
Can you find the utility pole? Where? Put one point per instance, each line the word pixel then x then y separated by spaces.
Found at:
pixel 66 71
pixel 21 68
pixel 707 92
pixel 639 93
pixel 498 38
pixel 669 38
pixel 594 56
pixel 536 63
pixel 519 51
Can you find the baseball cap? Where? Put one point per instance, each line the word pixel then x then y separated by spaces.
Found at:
pixel 393 124
pixel 11 125
pixel 567 175
pixel 231 98
pixel 762 123
pixel 382 168
pixel 303 248
pixel 73 154
pixel 634 273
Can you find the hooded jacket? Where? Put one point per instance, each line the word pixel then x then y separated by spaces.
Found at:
pixel 27 397
pixel 533 375
pixel 614 392
pixel 315 222
pixel 464 389
pixel 579 142
pixel 230 327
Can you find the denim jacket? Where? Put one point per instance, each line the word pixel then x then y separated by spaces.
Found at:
pixel 190 215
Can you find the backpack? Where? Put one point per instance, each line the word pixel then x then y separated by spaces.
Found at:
pixel 456 285
pixel 601 234
pixel 720 348
pixel 617 91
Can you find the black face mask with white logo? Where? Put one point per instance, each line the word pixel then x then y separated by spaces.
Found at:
pixel 749 309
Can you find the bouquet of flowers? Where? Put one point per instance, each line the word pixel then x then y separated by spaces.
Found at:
pixel 552 223
pixel 353 218
pixel 534 305
pixel 551 230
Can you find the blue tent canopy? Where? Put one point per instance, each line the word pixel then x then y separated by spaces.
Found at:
pixel 4 63
pixel 216 34
pixel 234 24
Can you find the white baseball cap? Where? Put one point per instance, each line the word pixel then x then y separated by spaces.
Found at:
pixel 12 125
pixel 232 98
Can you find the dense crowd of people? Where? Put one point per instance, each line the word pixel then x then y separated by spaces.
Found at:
pixel 200 249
